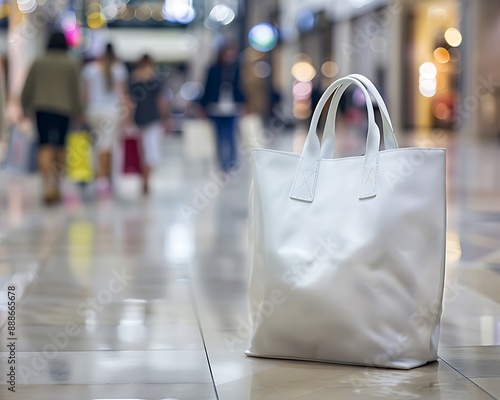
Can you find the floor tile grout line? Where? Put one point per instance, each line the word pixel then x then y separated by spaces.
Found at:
pixel 197 315
pixel 29 287
pixel 466 377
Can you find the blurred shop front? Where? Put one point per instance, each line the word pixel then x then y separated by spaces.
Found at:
pixel 432 64
pixel 450 66
pixel 436 62
pixel 483 69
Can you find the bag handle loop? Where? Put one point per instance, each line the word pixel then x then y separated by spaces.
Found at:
pixel 304 184
pixel 328 142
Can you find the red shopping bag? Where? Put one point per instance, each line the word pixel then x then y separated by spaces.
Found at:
pixel 132 155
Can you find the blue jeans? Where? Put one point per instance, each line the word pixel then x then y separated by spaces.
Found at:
pixel 226 142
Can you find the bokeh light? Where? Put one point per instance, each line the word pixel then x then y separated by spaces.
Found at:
pixel 143 12
pixel 302 90
pixel 93 8
pixel 26 6
pixel 306 20
pixel 427 79
pixel 428 70
pixel 427 87
pixel 157 13
pixel 222 14
pixel 191 91
pixel 428 84
pixel 110 12
pixel 329 69
pixel 441 55
pixel 302 110
pixel 303 71
pixel 181 11
pixel 96 20
pixel 441 111
pixel 262 69
pixel 128 13
pixel 263 37
pixel 453 37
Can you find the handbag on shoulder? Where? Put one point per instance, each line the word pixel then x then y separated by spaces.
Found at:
pixel 348 254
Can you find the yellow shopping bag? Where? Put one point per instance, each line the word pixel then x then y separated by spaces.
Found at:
pixel 79 156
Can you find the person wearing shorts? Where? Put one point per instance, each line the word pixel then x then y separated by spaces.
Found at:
pixel 52 95
pixel 151 113
pixel 105 86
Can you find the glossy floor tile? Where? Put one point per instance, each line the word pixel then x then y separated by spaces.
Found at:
pixel 299 381
pixel 473 361
pixel 181 391
pixel 133 298
pixel 50 365
pixel 490 385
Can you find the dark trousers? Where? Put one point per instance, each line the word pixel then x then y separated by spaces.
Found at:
pixel 52 128
pixel 226 142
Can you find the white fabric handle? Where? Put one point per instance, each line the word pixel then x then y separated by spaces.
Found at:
pixel 328 143
pixel 306 178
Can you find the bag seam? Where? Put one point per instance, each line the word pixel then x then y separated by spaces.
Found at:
pixel 292 195
pixel 291 154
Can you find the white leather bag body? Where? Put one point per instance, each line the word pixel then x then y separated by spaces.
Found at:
pixel 348 254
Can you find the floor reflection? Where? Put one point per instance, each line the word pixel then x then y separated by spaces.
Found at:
pixel 156 299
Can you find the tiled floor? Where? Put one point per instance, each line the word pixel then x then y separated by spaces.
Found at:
pixel 146 298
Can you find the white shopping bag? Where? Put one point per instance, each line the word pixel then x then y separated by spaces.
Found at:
pixel 348 254
pixel 198 139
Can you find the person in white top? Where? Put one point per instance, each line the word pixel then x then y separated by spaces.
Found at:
pixel 105 87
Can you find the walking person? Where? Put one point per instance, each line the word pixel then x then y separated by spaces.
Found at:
pixel 105 92
pixel 223 102
pixel 151 114
pixel 52 95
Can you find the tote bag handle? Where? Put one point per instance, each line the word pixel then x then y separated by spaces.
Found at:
pixel 328 143
pixel 306 178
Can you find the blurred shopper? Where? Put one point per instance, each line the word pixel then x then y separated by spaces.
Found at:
pixel 105 87
pixel 223 101
pixel 52 93
pixel 151 115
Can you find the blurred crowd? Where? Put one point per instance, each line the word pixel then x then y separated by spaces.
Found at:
pixel 86 117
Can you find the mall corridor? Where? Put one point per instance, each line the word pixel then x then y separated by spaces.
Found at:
pixel 154 228
pixel 137 299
